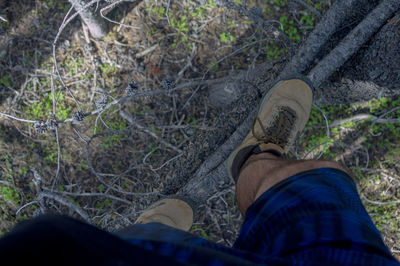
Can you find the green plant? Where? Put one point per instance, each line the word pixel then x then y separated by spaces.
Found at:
pixel 10 194
pixel 107 69
pixel 198 12
pixel 376 105
pixel 213 66
pixel 289 28
pixel 51 156
pixel 115 138
pixel 73 65
pixel 5 80
pixel 180 24
pixel 273 51
pixel 6 24
pixel 158 11
pixel 103 204
pixel 41 109
pixel 23 170
pixel 210 4
pixel 226 37
pixel 280 3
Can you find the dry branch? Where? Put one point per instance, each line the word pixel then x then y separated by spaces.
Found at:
pixel 91 16
pixel 67 203
pixel 131 121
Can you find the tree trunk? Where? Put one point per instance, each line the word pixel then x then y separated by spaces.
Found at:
pixel 91 16
pixel 372 72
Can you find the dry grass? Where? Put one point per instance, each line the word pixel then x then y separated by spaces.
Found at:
pixel 118 160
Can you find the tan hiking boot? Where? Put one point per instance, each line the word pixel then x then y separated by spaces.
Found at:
pixel 173 212
pixel 283 114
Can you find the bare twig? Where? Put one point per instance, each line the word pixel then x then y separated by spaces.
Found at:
pixel 361 117
pixel 68 204
pixel 113 21
pixel 18 119
pixel 3 19
pixel 379 202
pixel 93 194
pixel 128 118
pixel 167 11
pixel 147 51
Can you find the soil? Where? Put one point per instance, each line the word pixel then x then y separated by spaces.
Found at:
pixel 113 168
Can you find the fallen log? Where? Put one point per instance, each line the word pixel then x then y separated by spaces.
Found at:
pixel 211 175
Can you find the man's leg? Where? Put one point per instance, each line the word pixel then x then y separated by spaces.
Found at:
pixel 262 171
pixel 302 210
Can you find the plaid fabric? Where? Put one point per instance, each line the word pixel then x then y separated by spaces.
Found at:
pixel 313 218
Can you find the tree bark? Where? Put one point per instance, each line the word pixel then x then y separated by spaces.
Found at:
pixel 91 17
pixel 211 175
pixel 353 41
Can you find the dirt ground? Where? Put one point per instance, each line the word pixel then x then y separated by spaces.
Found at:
pixel 131 105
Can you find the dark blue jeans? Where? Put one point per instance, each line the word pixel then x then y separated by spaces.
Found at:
pixel 313 218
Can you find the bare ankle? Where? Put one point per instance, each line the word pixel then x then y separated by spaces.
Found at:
pixel 263 171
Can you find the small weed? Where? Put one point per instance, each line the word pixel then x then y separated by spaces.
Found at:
pixel 213 67
pixel 290 29
pixel 107 69
pixel 73 65
pixel 203 233
pixel 23 170
pixel 41 109
pixel 198 12
pixel 280 3
pixel 210 4
pixel 10 194
pixel 180 24
pixel 382 214
pixel 376 105
pixel 226 37
pixel 51 156
pixel 5 80
pixel 273 51
pixel 116 138
pixel 158 11
pixel 104 204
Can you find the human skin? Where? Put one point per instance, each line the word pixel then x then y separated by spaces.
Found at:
pixel 262 171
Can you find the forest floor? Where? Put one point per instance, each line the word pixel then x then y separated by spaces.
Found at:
pixel 109 167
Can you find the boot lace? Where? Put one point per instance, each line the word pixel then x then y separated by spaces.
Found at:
pixel 279 130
